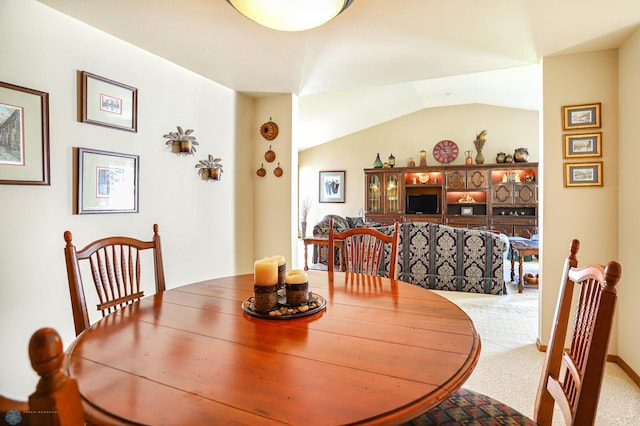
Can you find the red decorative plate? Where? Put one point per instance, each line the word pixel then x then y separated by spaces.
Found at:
pixel 445 151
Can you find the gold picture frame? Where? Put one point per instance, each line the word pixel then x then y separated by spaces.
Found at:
pixel 583 174
pixel 583 145
pixel 581 116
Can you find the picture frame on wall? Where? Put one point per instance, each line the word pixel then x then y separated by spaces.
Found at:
pixel 24 136
pixel 583 145
pixel 583 174
pixel 466 211
pixel 332 186
pixel 107 182
pixel 108 103
pixel 581 116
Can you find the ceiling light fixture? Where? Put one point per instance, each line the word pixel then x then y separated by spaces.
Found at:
pixel 290 15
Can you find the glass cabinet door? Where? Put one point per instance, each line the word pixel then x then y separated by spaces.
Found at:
pixel 393 193
pixel 374 193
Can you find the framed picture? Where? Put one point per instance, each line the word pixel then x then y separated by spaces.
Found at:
pixel 583 145
pixel 24 136
pixel 583 174
pixel 466 211
pixel 108 103
pixel 332 187
pixel 581 116
pixel 107 182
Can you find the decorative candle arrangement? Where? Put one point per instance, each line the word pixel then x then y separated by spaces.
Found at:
pixel 265 284
pixel 297 287
pixel 282 269
pixel 280 294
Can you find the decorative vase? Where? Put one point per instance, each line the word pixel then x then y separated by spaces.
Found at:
pixel 215 174
pixel 303 228
pixel 508 158
pixel 411 162
pixel 479 158
pixel 467 159
pixel 423 158
pixel 521 155
pixel 500 158
pixel 378 163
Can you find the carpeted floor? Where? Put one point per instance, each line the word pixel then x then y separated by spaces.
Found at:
pixel 510 364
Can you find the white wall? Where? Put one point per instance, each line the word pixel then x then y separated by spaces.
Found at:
pixel 507 129
pixel 206 227
pixel 629 202
pixel 587 213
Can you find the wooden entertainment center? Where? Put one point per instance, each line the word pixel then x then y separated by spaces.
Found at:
pixel 501 197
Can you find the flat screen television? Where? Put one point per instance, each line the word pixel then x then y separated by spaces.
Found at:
pixel 422 204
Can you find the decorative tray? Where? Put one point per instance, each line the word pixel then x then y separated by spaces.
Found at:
pixel 284 311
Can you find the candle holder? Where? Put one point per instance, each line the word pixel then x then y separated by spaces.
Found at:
pixel 265 298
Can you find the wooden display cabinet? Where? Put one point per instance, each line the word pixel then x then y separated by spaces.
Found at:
pixel 384 195
pixel 502 197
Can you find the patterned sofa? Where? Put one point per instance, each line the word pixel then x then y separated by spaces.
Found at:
pixel 441 257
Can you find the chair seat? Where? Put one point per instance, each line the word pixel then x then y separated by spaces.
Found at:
pixel 466 407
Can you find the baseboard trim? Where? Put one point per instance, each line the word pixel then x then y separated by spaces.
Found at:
pixel 627 369
pixel 635 377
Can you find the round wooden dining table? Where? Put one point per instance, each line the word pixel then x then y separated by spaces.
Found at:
pixel 380 352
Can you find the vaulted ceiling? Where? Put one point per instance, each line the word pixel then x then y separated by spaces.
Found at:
pixel 378 60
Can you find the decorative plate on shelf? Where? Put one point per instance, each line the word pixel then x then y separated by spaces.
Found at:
pixel 445 151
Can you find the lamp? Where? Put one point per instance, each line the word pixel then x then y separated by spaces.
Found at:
pixel 290 15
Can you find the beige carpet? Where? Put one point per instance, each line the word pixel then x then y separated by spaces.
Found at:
pixel 510 364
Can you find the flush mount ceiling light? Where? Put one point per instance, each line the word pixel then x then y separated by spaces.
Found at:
pixel 290 15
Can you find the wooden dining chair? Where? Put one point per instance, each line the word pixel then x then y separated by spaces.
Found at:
pixel 572 377
pixel 56 400
pixel 363 250
pixel 115 269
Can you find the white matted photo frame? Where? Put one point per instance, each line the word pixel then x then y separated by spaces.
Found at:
pixel 108 103
pixel 24 136
pixel 107 182
pixel 583 145
pixel 332 186
pixel 581 116
pixel 583 174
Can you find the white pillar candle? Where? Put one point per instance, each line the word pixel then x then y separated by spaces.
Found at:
pixel 296 276
pixel 265 272
pixel 279 259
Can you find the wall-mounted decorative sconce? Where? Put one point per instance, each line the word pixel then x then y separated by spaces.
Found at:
pixel 210 168
pixel 181 142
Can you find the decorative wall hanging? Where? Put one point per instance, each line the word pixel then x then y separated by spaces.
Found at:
pixel 581 116
pixel 24 136
pixel 269 130
pixel 270 155
pixel 332 186
pixel 278 171
pixel 583 174
pixel 107 182
pixel 108 103
pixel 583 145
pixel 261 171
pixel 181 142
pixel 210 168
